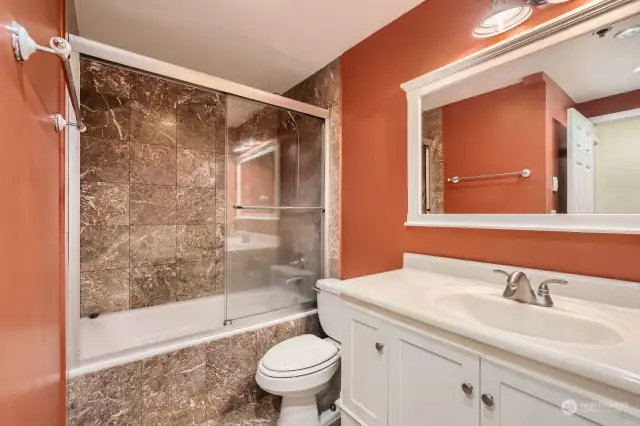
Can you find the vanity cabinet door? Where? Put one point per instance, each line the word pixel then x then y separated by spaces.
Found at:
pixel 365 366
pixel 512 398
pixel 431 382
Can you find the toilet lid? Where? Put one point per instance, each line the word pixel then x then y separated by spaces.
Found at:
pixel 299 353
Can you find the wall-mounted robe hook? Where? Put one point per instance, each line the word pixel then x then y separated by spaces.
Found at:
pixel 24 46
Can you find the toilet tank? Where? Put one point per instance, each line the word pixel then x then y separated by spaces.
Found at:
pixel 330 308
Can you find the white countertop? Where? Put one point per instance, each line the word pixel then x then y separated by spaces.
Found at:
pixel 413 293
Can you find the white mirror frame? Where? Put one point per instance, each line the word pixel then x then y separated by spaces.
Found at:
pixel 266 149
pixel 582 20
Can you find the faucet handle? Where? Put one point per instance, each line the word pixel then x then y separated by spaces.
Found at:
pixel 500 271
pixel 544 288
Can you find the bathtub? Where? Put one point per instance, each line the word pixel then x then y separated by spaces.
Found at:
pixel 121 337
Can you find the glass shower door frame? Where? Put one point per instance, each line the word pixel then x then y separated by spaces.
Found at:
pixel 108 53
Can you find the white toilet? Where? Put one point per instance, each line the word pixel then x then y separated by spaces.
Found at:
pixel 301 367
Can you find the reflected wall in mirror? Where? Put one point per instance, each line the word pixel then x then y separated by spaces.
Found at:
pixel 557 131
pixel 258 180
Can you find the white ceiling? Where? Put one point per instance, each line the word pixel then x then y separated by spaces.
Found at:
pixel 267 44
pixel 586 67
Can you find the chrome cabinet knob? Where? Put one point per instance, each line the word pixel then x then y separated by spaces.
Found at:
pixel 379 347
pixel 467 388
pixel 487 400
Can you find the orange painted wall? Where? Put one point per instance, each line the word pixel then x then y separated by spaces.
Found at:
pixel 32 361
pixel 610 104
pixel 497 132
pixel 374 158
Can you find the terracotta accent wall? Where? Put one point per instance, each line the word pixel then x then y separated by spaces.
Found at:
pixel 152 206
pixel 32 235
pixel 610 104
pixel 496 132
pixel 374 157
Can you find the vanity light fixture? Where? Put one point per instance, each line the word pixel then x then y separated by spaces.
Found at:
pixel 508 14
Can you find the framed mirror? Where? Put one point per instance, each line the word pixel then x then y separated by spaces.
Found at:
pixel 258 181
pixel 540 131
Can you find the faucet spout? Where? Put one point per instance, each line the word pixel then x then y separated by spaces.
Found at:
pixel 518 288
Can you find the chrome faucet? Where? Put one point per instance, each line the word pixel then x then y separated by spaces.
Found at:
pixel 519 289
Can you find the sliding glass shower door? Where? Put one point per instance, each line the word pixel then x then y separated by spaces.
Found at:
pixel 274 215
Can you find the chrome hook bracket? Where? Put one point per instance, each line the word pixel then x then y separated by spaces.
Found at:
pixel 24 46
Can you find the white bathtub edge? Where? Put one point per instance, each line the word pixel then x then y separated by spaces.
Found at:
pixel 148 352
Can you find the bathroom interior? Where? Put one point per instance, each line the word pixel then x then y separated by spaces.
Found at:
pixel 419 212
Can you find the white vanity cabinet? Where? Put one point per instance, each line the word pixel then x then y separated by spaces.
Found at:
pixel 365 349
pixel 397 376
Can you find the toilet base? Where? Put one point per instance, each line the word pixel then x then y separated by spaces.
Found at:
pixel 299 411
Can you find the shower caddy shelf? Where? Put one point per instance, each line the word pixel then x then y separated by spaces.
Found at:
pixel 24 46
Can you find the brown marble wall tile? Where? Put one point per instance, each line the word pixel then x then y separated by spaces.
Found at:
pixel 104 247
pixel 172 388
pixel 104 204
pixel 154 90
pixel 153 164
pixel 231 367
pixel 104 291
pixel 104 160
pixel 103 78
pixel 152 205
pixel 432 132
pixel 106 116
pixel 109 397
pixel 196 168
pixel 152 285
pixel 196 242
pixel 153 124
pixel 201 126
pixel 198 279
pixel 196 206
pixel 153 244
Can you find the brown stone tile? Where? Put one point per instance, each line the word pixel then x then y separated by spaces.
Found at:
pixel 104 160
pixel 104 247
pixel 106 116
pixel 104 291
pixel 195 95
pixel 110 397
pixel 153 124
pixel 104 203
pixel 198 279
pixel 196 206
pixel 231 367
pixel 153 244
pixel 152 285
pixel 104 78
pixel 196 168
pixel 154 90
pixel 201 125
pixel 153 164
pixel 152 205
pixel 196 242
pixel 172 388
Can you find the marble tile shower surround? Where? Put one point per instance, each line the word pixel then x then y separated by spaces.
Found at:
pixel 211 384
pixel 432 132
pixel 152 190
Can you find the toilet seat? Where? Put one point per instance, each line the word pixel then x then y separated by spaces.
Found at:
pixel 299 356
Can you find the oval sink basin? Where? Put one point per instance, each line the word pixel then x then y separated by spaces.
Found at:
pixel 545 323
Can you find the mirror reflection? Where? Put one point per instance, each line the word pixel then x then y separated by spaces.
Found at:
pixel 553 133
